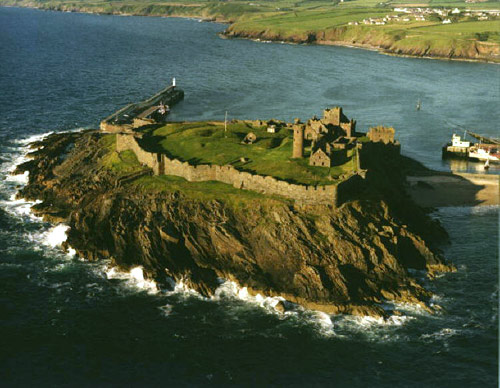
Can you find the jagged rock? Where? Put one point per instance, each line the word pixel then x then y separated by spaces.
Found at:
pixel 338 260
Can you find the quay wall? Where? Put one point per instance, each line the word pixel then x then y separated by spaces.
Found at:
pixel 163 165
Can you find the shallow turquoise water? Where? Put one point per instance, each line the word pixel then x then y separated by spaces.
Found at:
pixel 64 323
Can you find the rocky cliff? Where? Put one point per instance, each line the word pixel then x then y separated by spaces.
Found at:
pixel 394 44
pixel 348 259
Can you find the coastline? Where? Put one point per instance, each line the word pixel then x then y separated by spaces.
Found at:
pixel 244 248
pixel 246 35
pixel 363 46
pixel 456 189
pixel 383 51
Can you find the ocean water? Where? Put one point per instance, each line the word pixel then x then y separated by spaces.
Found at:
pixel 68 322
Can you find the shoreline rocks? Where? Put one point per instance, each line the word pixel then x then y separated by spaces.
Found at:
pixel 341 261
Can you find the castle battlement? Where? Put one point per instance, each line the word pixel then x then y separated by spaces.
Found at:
pixel 307 194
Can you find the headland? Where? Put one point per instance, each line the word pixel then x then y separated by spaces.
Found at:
pixel 314 212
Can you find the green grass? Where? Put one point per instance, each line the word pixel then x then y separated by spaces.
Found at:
pixel 328 23
pixel 204 191
pixel 207 143
pixel 126 163
pixel 301 21
pixel 123 163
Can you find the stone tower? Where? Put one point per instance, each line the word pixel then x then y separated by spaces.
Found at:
pixel 333 116
pixel 298 141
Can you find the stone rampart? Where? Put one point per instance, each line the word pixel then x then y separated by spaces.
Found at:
pixel 115 128
pixel 163 165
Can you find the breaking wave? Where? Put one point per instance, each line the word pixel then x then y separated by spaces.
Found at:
pixel 134 278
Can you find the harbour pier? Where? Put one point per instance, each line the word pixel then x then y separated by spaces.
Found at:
pixel 153 110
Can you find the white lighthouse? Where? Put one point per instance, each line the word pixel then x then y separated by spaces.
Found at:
pixel 173 82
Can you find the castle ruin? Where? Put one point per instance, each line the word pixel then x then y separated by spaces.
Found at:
pixel 333 132
pixel 381 134
pixel 298 140
pixel 328 138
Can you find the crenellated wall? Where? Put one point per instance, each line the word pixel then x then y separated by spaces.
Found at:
pixel 162 165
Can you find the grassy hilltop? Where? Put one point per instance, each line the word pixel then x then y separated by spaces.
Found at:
pixel 270 155
pixel 469 36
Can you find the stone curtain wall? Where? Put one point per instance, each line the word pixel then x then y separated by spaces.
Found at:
pixel 128 142
pixel 162 165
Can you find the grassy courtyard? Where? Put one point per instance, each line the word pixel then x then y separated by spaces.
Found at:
pixel 270 154
pixel 125 164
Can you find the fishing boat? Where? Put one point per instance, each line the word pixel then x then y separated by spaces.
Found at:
pixel 487 150
pixel 484 152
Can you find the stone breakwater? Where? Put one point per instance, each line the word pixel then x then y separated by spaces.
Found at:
pixel 163 165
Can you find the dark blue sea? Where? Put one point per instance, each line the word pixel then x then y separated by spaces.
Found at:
pixel 67 322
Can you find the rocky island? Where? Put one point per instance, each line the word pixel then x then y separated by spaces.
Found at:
pixel 314 212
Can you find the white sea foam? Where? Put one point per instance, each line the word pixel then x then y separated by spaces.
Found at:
pixel 17 156
pixel 55 236
pixel 442 334
pixel 371 322
pixel 229 289
pixel 180 287
pixel 33 138
pixel 20 179
pixel 457 211
pixel 166 310
pixel 134 278
pixel 324 323
pixel 20 208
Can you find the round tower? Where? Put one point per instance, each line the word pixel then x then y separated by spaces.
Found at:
pixel 298 141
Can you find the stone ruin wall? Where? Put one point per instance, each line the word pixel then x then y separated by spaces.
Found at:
pixel 114 128
pixel 162 165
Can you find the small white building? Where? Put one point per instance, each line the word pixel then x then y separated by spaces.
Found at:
pixel 446 21
pixel 271 129
pixel 456 11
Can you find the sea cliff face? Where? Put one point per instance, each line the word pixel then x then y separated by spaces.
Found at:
pixel 347 259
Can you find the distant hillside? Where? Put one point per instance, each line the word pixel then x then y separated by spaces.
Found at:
pixel 441 29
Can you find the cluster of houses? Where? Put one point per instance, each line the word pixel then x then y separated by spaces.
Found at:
pixel 423 14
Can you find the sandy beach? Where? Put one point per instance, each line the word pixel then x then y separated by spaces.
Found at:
pixel 458 189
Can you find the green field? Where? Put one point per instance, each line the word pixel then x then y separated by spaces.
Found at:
pixel 125 164
pixel 324 22
pixel 208 143
pixel 203 191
